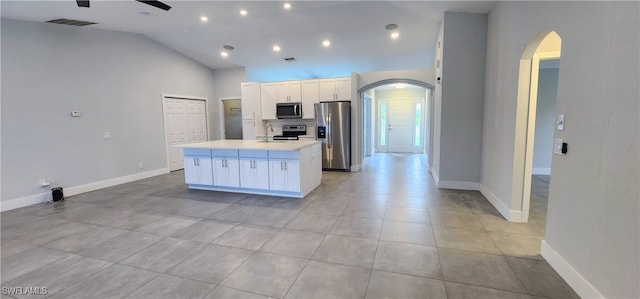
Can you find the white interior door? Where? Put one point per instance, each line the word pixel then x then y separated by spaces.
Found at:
pixel 400 126
pixel 185 121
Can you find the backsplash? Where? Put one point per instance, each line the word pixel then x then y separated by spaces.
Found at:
pixel 277 125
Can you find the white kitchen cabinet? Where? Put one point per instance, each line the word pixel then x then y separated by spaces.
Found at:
pixel 335 89
pixel 284 171
pixel 268 93
pixel 226 168
pixel 254 169
pixel 310 95
pixel 250 129
pixel 198 169
pixel 284 175
pixel 288 91
pixel 250 102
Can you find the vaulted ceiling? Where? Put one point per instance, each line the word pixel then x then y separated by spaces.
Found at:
pixel 355 29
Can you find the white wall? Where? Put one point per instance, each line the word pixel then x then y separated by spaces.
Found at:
pixel 592 234
pixel 115 79
pixel 226 84
pixel 461 102
pixel 545 120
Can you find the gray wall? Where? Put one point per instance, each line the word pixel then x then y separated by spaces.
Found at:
pixel 592 220
pixel 463 70
pixel 545 120
pixel 226 84
pixel 115 79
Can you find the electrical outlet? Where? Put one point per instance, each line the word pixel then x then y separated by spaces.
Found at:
pixel 557 146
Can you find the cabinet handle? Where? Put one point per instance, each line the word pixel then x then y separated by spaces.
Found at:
pixel 285 165
pixel 281 167
pixel 198 164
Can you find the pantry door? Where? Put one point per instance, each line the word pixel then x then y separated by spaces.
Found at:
pixel 185 121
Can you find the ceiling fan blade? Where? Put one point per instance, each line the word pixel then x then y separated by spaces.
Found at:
pixel 82 3
pixel 157 4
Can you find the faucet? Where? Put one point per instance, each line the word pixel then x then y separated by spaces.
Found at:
pixel 266 132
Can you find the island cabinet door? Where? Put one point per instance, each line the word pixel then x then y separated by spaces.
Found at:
pixel 226 172
pixel 198 170
pixel 284 175
pixel 254 173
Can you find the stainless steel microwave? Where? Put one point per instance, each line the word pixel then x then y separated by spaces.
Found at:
pixel 289 110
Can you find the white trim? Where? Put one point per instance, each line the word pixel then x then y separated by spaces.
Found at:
pixel 458 185
pixel 74 190
pixel 356 167
pixel 541 171
pixel 510 215
pixel 575 280
pixel 435 176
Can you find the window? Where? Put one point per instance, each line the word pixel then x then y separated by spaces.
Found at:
pixel 383 124
pixel 418 124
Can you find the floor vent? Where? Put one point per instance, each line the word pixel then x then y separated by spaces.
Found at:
pixel 70 22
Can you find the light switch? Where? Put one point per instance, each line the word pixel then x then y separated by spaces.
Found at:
pixel 561 122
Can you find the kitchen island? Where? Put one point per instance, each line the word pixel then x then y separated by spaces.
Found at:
pixel 282 168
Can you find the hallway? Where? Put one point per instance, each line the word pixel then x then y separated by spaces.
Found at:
pixel 384 232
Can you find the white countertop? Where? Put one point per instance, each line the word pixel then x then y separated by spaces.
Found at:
pixel 277 145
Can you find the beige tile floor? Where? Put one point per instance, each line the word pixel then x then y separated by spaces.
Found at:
pixel 384 232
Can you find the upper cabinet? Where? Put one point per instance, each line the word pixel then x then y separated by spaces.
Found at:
pixel 310 96
pixel 288 91
pixel 308 92
pixel 268 93
pixel 250 103
pixel 335 89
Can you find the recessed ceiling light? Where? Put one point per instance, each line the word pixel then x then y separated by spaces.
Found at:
pixel 395 35
pixel 287 5
pixel 401 85
pixel 204 19
pixel 243 12
pixel 326 43
pixel 224 53
pixel 276 48
pixel 228 47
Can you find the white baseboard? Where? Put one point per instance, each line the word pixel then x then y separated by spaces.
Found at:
pixel 541 171
pixel 575 280
pixel 510 215
pixel 458 185
pixel 74 190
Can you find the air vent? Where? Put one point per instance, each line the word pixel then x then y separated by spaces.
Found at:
pixel 289 59
pixel 70 22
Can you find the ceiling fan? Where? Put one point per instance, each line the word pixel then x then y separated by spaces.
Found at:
pixel 158 4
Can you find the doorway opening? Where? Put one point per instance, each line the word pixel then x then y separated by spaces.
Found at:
pixel 397 118
pixel 185 121
pixel 535 122
pixel 231 120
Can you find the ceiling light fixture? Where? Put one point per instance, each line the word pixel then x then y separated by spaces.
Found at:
pixel 227 47
pixel 276 48
pixel 287 5
pixel 395 35
pixel 326 43
pixel 243 12
pixel 391 27
pixel 224 53
pixel 204 19
pixel 400 85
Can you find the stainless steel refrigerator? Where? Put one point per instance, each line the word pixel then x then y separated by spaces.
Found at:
pixel 333 129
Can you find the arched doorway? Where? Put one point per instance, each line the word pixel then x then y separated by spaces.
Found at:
pixel 545 46
pixel 379 111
